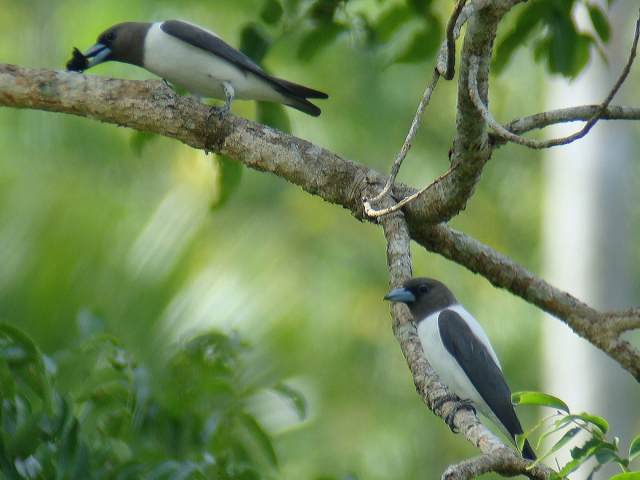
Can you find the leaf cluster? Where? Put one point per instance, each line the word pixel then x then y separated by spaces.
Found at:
pixel 591 431
pixel 94 412
pixel 410 31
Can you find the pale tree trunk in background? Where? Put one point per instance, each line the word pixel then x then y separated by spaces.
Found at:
pixel 588 241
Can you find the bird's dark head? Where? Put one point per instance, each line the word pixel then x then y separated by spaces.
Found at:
pixel 423 296
pixel 123 42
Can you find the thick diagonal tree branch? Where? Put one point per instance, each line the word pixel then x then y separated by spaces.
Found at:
pixel 151 107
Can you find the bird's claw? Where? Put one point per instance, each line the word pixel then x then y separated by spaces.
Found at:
pixel 458 405
pixel 219 112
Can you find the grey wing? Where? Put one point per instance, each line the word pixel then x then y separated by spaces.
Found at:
pixel 476 361
pixel 200 38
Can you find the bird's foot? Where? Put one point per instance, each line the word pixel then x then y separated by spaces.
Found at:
pixel 458 405
pixel 171 88
pixel 218 112
pixel 450 397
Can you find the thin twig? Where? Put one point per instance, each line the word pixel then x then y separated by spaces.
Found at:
pixel 451 41
pixel 623 321
pixel 537 144
pixel 565 115
pixel 397 206
pixel 406 146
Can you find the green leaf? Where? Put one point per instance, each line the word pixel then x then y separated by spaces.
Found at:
pixel 568 435
pixel 569 467
pixel 600 423
pixel 296 398
pixel 26 438
pixel 24 360
pixel 626 476
pixel 538 398
pixel 69 444
pixel 271 12
pixel 559 425
pixel 566 49
pixel 600 22
pixel 606 455
pixel 390 21
pixel 566 438
pixel 587 449
pixel 420 6
pixel 261 438
pixel 323 11
pixel 634 448
pixel 227 180
pixel 527 21
pixel 16 348
pixel 254 42
pixel 521 438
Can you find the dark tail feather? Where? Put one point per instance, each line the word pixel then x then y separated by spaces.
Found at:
pixel 303 105
pixel 300 90
pixel 297 95
pixel 527 451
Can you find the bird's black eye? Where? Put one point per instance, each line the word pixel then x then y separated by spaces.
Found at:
pixel 423 288
pixel 108 38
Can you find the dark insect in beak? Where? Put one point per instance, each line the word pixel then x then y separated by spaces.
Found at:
pixel 95 55
pixel 78 62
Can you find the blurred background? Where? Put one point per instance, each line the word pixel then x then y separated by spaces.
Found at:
pixel 107 231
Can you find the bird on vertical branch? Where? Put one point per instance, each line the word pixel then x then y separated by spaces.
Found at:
pixel 459 351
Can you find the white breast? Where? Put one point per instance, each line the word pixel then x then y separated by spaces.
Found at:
pixel 447 367
pixel 198 71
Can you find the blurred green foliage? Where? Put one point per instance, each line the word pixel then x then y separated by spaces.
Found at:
pixel 104 418
pixel 114 246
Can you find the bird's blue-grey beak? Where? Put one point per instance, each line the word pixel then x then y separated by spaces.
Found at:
pixel 400 295
pixel 97 54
